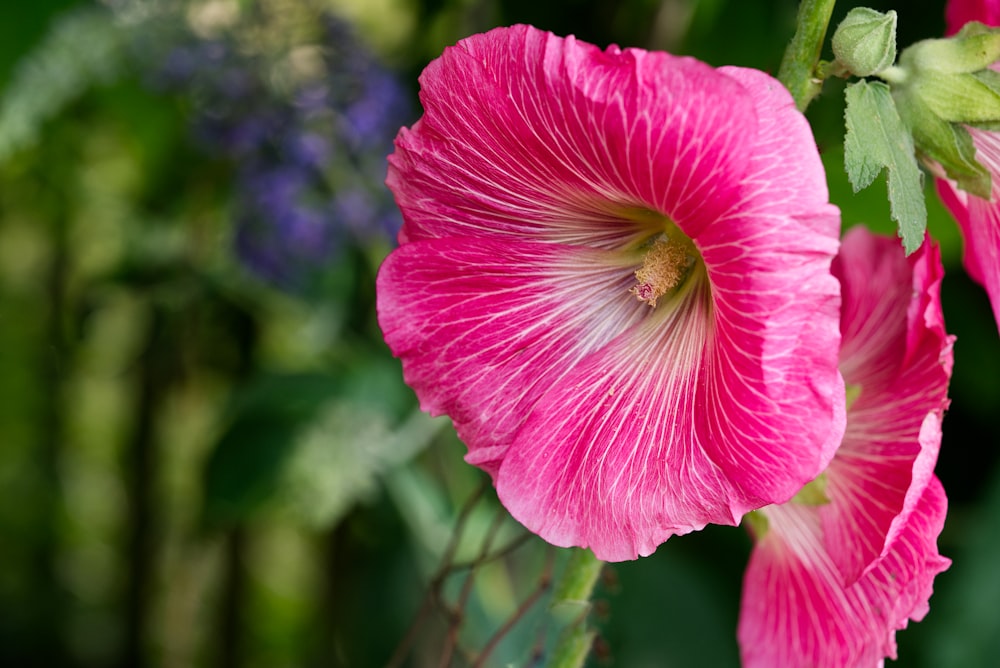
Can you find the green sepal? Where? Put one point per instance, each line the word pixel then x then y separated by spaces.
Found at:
pixel 947 144
pixel 959 98
pixel 877 138
pixel 974 48
pixel 865 41
pixel 989 126
pixel 991 79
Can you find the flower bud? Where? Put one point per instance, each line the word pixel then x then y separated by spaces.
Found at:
pixel 865 41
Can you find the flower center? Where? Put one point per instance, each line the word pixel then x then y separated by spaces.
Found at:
pixel 853 391
pixel 813 493
pixel 664 266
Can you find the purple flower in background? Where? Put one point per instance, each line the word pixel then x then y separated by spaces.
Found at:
pixel 366 115
pixel 309 148
pixel 281 226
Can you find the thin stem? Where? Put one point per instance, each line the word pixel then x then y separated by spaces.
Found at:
pixel 493 556
pixel 56 366
pixel 798 67
pixel 432 596
pixel 893 75
pixel 458 612
pixel 403 648
pixel 544 584
pixel 572 601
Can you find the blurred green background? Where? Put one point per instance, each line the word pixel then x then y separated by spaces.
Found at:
pixel 208 456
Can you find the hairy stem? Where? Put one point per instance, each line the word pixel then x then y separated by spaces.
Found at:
pixel 572 601
pixel 798 66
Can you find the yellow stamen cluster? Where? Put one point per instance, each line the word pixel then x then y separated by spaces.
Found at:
pixel 663 267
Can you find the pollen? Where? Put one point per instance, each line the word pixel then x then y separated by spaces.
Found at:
pixel 663 268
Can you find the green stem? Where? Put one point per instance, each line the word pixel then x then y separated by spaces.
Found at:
pixel 571 602
pixel 578 579
pixel 798 67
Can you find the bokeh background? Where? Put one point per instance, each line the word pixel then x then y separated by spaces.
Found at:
pixel 207 454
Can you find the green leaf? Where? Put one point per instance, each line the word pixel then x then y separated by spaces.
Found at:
pixel 313 445
pixel 248 462
pixel 876 139
pixel 83 48
pixel 340 457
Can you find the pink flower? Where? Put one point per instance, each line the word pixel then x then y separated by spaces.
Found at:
pixel 614 276
pixel 979 219
pixel 839 569
pixel 960 12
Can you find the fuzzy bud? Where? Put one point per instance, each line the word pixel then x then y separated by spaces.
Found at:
pixel 865 41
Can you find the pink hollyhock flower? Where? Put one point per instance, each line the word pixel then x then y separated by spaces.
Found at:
pixel 836 571
pixel 960 12
pixel 979 219
pixel 614 276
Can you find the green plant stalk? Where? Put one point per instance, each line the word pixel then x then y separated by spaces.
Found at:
pixel 571 603
pixel 799 64
pixel 573 647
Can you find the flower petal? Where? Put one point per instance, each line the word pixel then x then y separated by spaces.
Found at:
pixel 895 352
pixel 701 412
pixel 484 327
pixel 979 219
pixel 960 12
pixel 610 457
pixel 789 179
pixel 729 404
pixel 795 610
pixel 529 135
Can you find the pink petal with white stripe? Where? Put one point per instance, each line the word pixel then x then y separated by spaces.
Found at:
pixel 896 359
pixel 796 611
pixel 837 570
pixel 548 185
pixel 485 327
pixel 533 136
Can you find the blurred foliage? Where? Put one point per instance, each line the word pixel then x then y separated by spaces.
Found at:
pixel 81 50
pixel 207 465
